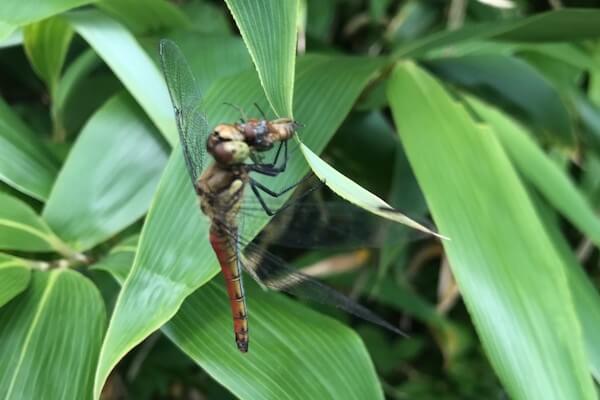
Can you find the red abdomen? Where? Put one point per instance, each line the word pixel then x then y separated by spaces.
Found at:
pixel 228 259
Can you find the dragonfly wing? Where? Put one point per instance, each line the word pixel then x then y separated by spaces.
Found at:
pixel 328 224
pixel 187 104
pixel 274 273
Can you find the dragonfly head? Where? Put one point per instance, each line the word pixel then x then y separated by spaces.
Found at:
pixel 256 134
pixel 227 145
pixel 283 128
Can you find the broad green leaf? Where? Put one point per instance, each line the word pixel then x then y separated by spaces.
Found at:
pixel 355 194
pixel 123 54
pixel 98 193
pixel 589 117
pixel 74 74
pixel 6 30
pixel 276 321
pixel 208 64
pixel 19 12
pixel 50 336
pixel 174 256
pixel 269 31
pixel 46 44
pixel 146 16
pixel 14 277
pixel 552 26
pixel 594 85
pixel 119 260
pixel 22 229
pixel 208 17
pixel 295 353
pixel 25 162
pixel 500 253
pixel 514 85
pixel 80 93
pixel 585 293
pixel 540 170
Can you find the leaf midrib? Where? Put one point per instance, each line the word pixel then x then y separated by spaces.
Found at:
pixel 43 301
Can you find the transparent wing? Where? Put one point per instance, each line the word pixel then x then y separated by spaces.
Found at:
pixel 329 225
pixel 274 273
pixel 187 104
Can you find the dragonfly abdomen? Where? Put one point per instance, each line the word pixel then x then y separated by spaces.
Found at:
pixel 227 256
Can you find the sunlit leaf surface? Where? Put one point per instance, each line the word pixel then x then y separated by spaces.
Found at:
pixel 14 277
pixel 269 31
pixel 50 336
pixel 98 193
pixel 500 253
pixel 174 257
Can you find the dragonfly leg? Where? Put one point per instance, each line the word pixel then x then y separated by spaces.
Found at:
pixel 270 169
pixel 262 113
pixel 241 111
pixel 256 186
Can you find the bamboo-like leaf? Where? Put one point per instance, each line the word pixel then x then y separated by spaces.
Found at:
pixel 46 44
pixel 540 170
pixel 136 71
pixel 355 194
pixel 293 335
pixel 295 352
pixel 18 12
pixel 22 229
pixel 269 30
pixel 585 293
pixel 14 277
pixel 6 30
pixel 552 26
pixel 500 253
pixel 208 65
pixel 517 86
pixel 174 257
pixel 98 193
pixel 25 162
pixel 49 338
pixel 146 16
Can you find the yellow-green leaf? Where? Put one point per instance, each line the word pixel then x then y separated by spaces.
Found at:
pixel 269 31
pixel 507 269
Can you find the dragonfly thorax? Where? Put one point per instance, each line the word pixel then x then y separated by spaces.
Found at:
pixel 227 145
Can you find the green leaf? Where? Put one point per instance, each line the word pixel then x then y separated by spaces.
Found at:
pixel 6 30
pixel 98 193
pixel 136 70
pixel 50 336
pixel 22 229
pixel 208 65
pixel 46 44
pixel 207 17
pixel 553 26
pixel 269 31
pixel 174 256
pixel 514 85
pixel 145 16
pixel 14 277
pixel 500 253
pixel 355 194
pixel 585 293
pixel 275 320
pixel 295 352
pixel 25 162
pixel 541 171
pixel 18 12
pixel 80 93
pixel 119 260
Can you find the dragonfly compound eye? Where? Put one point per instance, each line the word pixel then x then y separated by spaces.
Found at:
pixel 230 152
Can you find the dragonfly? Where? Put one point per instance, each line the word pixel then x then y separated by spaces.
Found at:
pixel 235 151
